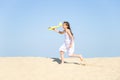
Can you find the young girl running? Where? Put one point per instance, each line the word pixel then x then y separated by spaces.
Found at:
pixel 68 45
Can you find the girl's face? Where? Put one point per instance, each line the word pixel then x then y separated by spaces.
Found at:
pixel 64 26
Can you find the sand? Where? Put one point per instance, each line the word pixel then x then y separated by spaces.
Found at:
pixel 38 68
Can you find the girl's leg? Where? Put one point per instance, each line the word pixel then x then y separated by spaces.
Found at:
pixel 71 53
pixel 76 55
pixel 62 57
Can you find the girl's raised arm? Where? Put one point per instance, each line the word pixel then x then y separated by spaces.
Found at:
pixel 60 32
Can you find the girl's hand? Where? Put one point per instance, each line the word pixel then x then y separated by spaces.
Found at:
pixel 70 46
pixel 54 29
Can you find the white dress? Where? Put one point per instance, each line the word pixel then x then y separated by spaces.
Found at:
pixel 66 45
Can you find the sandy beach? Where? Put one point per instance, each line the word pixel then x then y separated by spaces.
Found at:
pixel 38 68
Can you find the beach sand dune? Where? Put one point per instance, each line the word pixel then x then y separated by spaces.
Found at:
pixel 38 68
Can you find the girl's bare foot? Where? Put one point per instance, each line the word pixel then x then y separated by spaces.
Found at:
pixel 62 62
pixel 81 58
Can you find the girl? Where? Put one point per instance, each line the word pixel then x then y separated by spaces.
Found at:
pixel 68 45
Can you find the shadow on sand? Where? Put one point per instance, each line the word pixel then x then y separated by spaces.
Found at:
pixel 59 61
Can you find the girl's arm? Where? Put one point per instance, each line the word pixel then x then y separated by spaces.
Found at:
pixel 71 37
pixel 60 32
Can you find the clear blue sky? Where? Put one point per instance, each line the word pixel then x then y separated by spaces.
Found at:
pixel 24 23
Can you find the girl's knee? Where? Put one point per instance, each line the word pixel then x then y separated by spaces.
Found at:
pixel 70 55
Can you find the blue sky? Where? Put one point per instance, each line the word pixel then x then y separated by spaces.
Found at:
pixel 24 23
